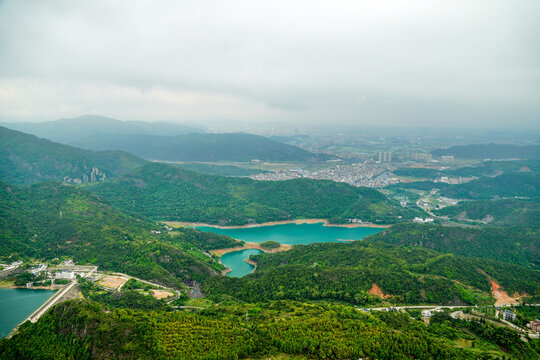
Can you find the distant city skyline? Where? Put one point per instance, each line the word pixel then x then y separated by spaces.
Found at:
pixel 243 63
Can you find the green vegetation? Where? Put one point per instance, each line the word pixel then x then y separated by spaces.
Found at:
pixel 498 211
pixel 79 329
pixel 485 169
pixel 526 314
pixel 270 244
pixel 345 272
pixel 52 220
pixel 204 240
pixel 128 299
pixel 222 170
pixel 505 185
pixel 482 336
pixel 491 151
pixel 168 193
pixel 513 244
pixel 133 284
pixel 201 147
pixel 26 159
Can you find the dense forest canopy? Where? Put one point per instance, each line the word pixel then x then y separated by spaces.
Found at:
pixel 168 193
pixel 50 220
pixel 280 328
pixel 26 159
pixel 513 244
pixel 346 272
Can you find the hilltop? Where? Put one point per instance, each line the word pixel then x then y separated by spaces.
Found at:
pixel 347 272
pixel 26 158
pixel 513 244
pixel 200 147
pixel 165 192
pixel 49 220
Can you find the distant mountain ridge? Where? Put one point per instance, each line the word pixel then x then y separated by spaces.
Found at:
pixel 200 147
pixel 164 141
pixel 491 151
pixel 68 131
pixel 26 158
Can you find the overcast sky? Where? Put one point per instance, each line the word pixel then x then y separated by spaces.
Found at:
pixel 465 63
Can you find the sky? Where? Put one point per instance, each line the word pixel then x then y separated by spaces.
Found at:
pixel 411 63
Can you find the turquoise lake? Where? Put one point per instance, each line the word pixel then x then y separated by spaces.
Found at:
pixel 292 234
pixel 17 304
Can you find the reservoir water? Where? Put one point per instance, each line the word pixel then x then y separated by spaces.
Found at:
pixel 17 304
pixel 292 234
pixel 235 261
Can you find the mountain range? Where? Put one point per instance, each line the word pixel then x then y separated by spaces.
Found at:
pixel 164 141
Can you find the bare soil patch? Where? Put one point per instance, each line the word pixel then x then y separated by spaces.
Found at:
pixel 501 297
pixel 376 290
pixel 161 294
pixel 112 282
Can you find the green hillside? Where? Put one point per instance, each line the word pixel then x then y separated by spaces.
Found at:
pixel 200 147
pixel 497 212
pixel 512 244
pixel 485 169
pixel 164 192
pixel 506 185
pixel 25 159
pixel 277 330
pixel 50 220
pixel 345 272
pixel 221 170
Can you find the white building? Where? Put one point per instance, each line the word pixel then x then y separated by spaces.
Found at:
pixel 38 270
pixel 68 275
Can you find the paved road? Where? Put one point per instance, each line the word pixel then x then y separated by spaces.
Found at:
pixel 49 303
pixel 415 307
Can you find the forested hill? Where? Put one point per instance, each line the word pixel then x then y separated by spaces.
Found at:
pixel 50 220
pixel 25 159
pixel 67 131
pixel 200 147
pixel 512 244
pixel 491 151
pixel 496 211
pixel 165 192
pixel 276 330
pixel 347 272
pixel 485 169
pixel 524 184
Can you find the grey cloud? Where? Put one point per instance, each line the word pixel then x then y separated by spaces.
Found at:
pixel 419 62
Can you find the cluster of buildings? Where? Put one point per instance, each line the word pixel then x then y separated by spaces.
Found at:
pixel 456 180
pixel 384 156
pixel 419 220
pixel 421 156
pixel 367 174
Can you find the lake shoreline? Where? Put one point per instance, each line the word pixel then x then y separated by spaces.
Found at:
pixel 251 262
pixel 325 222
pixel 50 287
pixel 250 245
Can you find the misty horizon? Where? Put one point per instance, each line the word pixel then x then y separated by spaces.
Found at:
pixel 241 64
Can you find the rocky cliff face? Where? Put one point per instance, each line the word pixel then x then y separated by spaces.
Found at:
pixel 85 175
